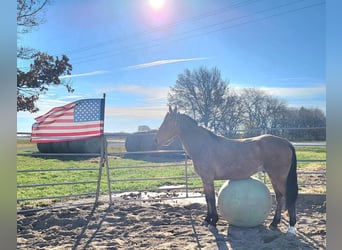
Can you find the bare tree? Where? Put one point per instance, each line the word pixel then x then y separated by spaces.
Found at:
pixel 30 14
pixel 262 110
pixel 276 112
pixel 232 112
pixel 311 117
pixel 313 120
pixel 201 94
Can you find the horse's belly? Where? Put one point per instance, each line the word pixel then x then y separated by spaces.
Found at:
pixel 237 172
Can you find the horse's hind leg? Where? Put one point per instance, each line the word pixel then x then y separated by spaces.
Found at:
pixel 292 214
pixel 277 214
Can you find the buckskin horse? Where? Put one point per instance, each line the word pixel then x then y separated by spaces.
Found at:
pixel 218 158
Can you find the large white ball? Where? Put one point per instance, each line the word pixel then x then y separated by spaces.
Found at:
pixel 244 203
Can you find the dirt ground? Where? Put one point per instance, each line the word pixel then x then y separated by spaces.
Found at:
pixel 165 225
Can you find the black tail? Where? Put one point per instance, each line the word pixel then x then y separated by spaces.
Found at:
pixel 291 182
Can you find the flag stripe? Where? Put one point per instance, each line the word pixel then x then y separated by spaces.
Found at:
pixel 56 116
pixel 69 130
pixel 47 122
pixel 67 134
pixel 67 126
pixel 64 138
pixel 55 111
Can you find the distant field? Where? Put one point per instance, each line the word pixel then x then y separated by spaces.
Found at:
pixel 123 175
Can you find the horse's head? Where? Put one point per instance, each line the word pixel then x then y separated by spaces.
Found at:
pixel 168 129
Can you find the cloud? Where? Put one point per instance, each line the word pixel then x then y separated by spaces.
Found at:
pixel 304 92
pixel 162 62
pixel 297 79
pixel 128 118
pixel 296 92
pixel 72 97
pixel 92 73
pixel 151 93
pixel 137 112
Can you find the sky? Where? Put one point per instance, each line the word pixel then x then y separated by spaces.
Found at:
pixel 134 50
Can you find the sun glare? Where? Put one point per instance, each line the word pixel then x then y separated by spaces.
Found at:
pixel 156 4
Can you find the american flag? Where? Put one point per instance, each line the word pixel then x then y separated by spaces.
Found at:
pixel 78 120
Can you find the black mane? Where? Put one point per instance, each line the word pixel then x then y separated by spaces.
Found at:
pixel 188 118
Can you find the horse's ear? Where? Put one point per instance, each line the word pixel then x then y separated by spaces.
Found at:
pixel 172 111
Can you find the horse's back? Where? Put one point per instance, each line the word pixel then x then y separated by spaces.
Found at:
pixel 276 153
pixel 272 141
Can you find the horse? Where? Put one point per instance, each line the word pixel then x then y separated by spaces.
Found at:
pixel 218 158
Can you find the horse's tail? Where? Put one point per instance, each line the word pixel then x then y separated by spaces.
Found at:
pixel 291 182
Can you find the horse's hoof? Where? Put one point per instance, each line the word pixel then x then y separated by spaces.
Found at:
pixel 212 228
pixel 273 226
pixel 291 231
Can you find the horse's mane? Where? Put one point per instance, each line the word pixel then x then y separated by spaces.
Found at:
pixel 182 116
pixel 193 122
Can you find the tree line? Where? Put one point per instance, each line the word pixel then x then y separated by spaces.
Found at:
pixel 207 98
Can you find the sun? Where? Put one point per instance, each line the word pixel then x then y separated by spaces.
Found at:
pixel 156 4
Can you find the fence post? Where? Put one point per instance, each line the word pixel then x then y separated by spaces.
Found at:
pixel 108 177
pixel 100 170
pixel 186 176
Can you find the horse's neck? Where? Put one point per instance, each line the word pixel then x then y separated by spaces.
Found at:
pixel 193 137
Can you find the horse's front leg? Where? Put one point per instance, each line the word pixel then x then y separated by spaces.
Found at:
pixel 209 192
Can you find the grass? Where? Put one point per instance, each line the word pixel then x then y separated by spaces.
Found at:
pixel 25 143
pixel 122 173
pixel 312 153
